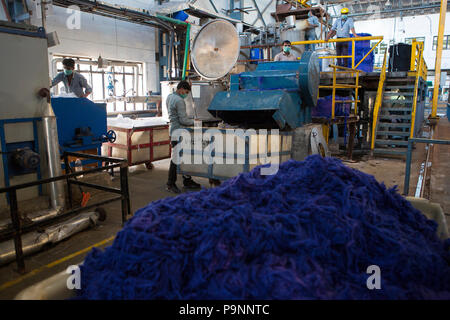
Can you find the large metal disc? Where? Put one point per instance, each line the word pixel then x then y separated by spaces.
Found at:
pixel 215 49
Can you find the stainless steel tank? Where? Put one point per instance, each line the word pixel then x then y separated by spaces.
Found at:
pixel 325 62
pixel 198 100
pixel 201 96
pixel 245 39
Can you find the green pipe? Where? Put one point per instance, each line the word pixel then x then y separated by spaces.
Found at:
pixel 188 33
pixel 186 51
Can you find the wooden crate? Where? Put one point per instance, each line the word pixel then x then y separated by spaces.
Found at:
pixel 139 145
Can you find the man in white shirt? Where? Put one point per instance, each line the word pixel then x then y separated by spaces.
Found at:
pixel 286 54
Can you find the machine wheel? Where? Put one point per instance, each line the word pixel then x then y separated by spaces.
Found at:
pixel 149 165
pixel 101 213
pixel 111 135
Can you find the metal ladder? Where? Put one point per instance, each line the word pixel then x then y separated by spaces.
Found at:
pixel 395 120
pixel 395 108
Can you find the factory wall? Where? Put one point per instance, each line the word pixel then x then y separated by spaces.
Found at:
pixel 110 38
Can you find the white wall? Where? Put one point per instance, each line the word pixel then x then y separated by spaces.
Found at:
pixel 110 38
pixel 398 29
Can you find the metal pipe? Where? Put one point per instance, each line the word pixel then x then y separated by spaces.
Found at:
pixel 440 46
pixel 186 47
pixel 170 57
pixel 186 51
pixel 34 241
pixel 50 135
pixel 402 9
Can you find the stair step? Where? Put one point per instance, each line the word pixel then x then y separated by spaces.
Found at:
pixel 393 133
pixel 394 125
pixel 389 151
pixel 397 101
pixel 394 117
pixel 391 142
pixel 404 109
pixel 399 87
pixel 405 94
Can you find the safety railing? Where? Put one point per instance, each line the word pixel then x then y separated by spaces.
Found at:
pixel 17 228
pixel 419 74
pixel 409 157
pixel 417 60
pixel 379 99
pixel 335 86
pixel 297 43
pixel 352 40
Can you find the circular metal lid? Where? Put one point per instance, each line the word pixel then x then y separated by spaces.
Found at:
pixel 215 49
pixel 310 77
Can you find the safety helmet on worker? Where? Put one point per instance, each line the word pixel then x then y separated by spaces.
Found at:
pixel 345 11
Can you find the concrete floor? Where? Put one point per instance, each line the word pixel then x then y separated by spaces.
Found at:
pixel 147 186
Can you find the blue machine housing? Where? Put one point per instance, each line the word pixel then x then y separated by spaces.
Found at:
pixel 275 95
pixel 81 124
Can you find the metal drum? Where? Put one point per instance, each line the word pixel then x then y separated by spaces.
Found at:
pixel 325 62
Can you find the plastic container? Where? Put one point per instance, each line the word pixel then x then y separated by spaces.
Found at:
pixel 256 54
pixel 180 15
pixel 361 49
pixel 324 105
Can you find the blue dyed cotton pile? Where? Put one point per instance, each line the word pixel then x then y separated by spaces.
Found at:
pixel 308 232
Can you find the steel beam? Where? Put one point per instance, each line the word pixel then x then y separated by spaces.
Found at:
pixel 440 46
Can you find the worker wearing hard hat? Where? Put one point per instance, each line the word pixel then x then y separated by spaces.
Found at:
pixel 286 54
pixel 313 23
pixel 342 27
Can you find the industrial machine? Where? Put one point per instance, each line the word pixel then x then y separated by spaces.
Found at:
pixel 276 95
pixel 23 133
pixel 33 137
pixel 81 124
pixel 212 58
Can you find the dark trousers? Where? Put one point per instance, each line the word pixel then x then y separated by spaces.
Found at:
pixel 173 169
pixel 342 50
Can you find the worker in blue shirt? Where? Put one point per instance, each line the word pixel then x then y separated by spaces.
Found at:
pixel 313 23
pixel 342 28
pixel 73 81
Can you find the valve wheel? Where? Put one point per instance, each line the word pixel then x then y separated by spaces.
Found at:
pixel 111 136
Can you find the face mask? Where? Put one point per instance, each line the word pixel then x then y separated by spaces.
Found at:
pixel 184 96
pixel 344 17
pixel 68 72
pixel 287 49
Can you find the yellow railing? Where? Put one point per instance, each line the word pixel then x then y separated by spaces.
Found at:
pixel 352 40
pixel 419 74
pixel 336 85
pixel 417 60
pixel 379 100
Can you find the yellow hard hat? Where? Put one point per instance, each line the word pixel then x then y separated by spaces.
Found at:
pixel 345 11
